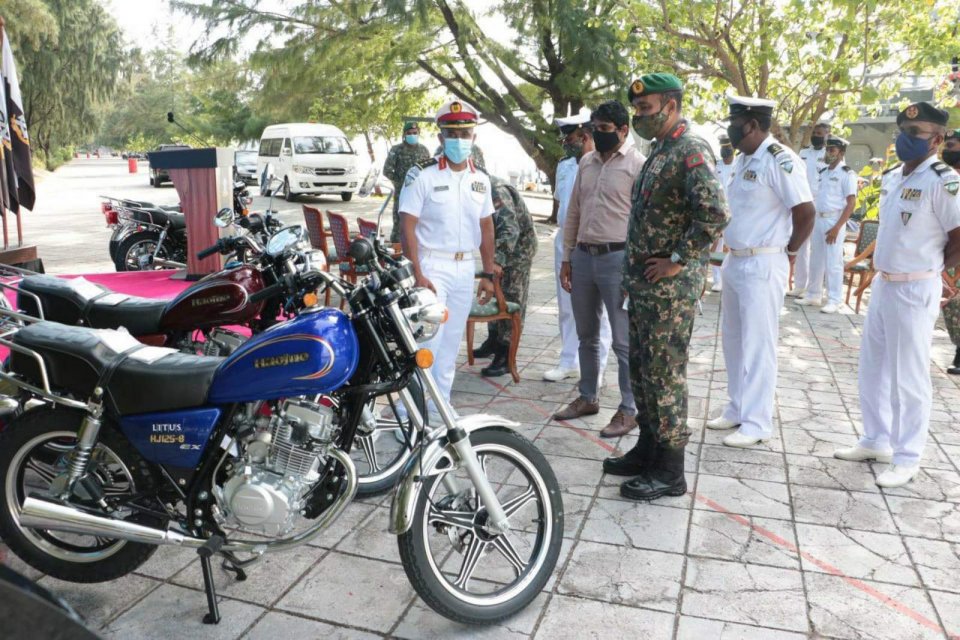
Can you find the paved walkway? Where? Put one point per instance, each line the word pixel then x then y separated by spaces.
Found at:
pixel 783 541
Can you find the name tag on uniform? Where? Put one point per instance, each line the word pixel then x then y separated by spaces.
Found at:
pixel 479 187
pixel 750 175
pixel 834 179
pixel 442 187
pixel 658 163
pixel 911 194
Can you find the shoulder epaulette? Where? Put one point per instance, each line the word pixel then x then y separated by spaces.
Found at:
pixel 846 167
pixel 941 168
pixel 775 148
pixel 428 163
pixel 896 166
pixel 822 170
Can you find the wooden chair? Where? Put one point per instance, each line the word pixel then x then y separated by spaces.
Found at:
pixel 319 236
pixel 861 265
pixel 499 308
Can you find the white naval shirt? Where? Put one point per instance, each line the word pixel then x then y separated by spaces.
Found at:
pixel 725 172
pixel 835 185
pixel 763 190
pixel 448 204
pixel 566 176
pixel 813 161
pixel 916 213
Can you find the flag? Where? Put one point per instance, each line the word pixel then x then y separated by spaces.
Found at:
pixel 4 154
pixel 16 140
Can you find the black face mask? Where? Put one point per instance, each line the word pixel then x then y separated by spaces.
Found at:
pixel 952 158
pixel 606 140
pixel 816 141
pixel 736 135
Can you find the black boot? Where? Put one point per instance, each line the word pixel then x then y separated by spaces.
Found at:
pixel 955 369
pixel 489 346
pixel 665 479
pixel 637 460
pixel 499 366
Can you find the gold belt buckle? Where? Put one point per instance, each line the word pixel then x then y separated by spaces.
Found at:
pixel 458 255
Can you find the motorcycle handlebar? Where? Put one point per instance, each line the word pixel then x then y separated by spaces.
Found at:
pixel 209 251
pixel 267 292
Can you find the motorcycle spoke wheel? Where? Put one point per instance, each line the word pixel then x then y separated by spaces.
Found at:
pixel 381 454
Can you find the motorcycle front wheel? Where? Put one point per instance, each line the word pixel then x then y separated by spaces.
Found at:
pixel 461 569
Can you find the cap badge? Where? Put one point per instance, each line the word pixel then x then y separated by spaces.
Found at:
pixel 456 107
pixel 637 87
pixel 911 112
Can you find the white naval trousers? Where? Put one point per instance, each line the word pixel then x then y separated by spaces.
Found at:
pixel 826 261
pixel 453 280
pixel 718 271
pixel 569 343
pixel 895 391
pixel 801 266
pixel 753 290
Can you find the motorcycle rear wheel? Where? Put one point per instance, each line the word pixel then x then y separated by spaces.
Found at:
pixel 136 245
pixel 34 449
pixel 516 565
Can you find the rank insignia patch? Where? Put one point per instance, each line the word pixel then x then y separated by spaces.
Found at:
pixel 750 175
pixel 479 187
pixel 694 160
pixel 905 217
pixel 787 165
pixel 911 195
pixel 952 187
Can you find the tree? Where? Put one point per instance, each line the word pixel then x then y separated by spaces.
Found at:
pixel 810 57
pixel 68 72
pixel 519 64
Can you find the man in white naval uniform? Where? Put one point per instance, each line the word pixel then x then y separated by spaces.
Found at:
pixel 445 208
pixel 771 216
pixel 812 157
pixel 835 200
pixel 919 236
pixel 577 141
pixel 724 173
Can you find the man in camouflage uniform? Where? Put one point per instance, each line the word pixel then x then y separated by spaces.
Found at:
pixel 399 160
pixel 516 244
pixel 678 210
pixel 951 309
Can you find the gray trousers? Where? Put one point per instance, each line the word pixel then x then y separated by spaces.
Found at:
pixel 596 284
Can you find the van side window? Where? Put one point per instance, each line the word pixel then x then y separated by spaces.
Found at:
pixel 286 146
pixel 270 147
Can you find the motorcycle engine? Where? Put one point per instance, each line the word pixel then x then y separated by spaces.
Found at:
pixel 267 489
pixel 221 342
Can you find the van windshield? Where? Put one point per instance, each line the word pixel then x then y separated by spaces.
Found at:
pixel 321 144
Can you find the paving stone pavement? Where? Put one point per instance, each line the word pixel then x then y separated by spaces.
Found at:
pixel 781 541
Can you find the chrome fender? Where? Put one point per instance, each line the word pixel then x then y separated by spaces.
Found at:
pixel 411 482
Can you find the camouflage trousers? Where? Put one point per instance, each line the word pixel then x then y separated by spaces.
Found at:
pixel 515 284
pixel 395 231
pixel 660 330
pixel 951 318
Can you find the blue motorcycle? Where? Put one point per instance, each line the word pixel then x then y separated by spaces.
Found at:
pixel 99 473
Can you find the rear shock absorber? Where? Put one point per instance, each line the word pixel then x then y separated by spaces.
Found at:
pixel 86 441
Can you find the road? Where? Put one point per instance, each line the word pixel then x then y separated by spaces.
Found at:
pixel 69 229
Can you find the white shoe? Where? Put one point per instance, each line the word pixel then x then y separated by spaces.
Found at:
pixel 807 302
pixel 722 423
pixel 830 307
pixel 742 441
pixel 559 373
pixel 859 454
pixel 897 475
pixel 796 293
pixel 717 288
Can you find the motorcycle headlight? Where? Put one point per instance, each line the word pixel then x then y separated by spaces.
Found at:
pixel 424 313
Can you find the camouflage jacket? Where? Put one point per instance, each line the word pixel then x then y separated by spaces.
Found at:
pixel 401 157
pixel 516 237
pixel 677 206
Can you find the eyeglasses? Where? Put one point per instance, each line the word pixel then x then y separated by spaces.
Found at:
pixel 917 132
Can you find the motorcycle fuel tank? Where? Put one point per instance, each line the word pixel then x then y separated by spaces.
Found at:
pixel 218 299
pixel 175 438
pixel 316 352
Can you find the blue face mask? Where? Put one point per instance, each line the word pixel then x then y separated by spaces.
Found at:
pixel 457 149
pixel 911 148
pixel 411 139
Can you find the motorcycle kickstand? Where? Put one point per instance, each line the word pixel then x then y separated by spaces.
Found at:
pixel 232 564
pixel 212 546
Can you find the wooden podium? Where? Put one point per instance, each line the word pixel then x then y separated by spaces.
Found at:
pixel 204 180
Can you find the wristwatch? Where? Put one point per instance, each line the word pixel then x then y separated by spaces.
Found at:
pixel 487 275
pixel 676 259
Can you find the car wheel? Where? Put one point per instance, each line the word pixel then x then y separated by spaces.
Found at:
pixel 288 195
pixel 346 196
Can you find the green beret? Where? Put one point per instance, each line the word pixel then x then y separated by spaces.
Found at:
pixel 654 83
pixel 409 124
pixel 953 134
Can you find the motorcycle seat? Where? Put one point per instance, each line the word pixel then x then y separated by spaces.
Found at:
pixel 79 301
pixel 147 379
pixel 159 217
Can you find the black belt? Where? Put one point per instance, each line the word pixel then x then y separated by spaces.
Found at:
pixel 600 249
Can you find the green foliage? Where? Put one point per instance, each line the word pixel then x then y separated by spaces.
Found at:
pixel 69 56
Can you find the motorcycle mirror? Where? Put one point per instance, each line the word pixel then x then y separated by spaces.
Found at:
pixel 223 218
pixel 362 251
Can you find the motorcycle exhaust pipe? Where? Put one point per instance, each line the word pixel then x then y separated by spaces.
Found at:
pixel 163 262
pixel 37 513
